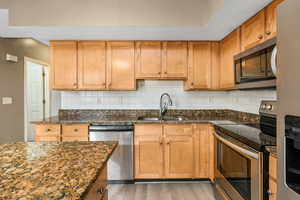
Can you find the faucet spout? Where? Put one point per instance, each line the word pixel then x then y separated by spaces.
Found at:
pixel 165 102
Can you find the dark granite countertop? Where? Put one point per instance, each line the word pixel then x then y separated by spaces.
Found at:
pixel 51 170
pixel 129 117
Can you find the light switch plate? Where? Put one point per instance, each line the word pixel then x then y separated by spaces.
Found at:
pixel 6 100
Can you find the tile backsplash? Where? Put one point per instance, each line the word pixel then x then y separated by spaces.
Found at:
pixel 148 94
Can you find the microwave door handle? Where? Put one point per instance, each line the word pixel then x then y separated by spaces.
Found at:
pixel 274 60
pixel 251 154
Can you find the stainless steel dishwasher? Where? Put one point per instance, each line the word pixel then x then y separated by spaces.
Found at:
pixel 120 165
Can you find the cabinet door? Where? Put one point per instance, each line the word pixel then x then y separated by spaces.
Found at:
pixel 179 151
pixel 91 65
pixel 271 19
pixel 203 144
pixel 253 31
pixel 148 151
pixel 215 65
pixel 120 66
pixel 148 59
pixel 75 132
pixel 63 65
pixel 230 46
pixel 199 65
pixel 175 60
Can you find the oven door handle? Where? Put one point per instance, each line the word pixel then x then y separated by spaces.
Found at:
pixel 252 154
pixel 274 61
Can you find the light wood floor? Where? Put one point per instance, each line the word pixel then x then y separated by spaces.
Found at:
pixel 161 191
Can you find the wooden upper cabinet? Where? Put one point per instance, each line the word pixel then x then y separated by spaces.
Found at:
pixel 64 65
pixel 230 46
pixel 175 60
pixel 120 66
pixel 148 59
pixel 215 65
pixel 148 148
pixel 253 31
pixel 91 65
pixel 179 151
pixel 271 19
pixel 199 65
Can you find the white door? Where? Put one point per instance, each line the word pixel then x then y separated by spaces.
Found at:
pixel 37 96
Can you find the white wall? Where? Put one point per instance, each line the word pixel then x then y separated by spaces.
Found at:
pixel 148 94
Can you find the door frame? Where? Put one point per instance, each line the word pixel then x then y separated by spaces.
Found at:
pixel 28 59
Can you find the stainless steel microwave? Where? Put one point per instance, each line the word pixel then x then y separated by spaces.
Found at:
pixel 257 67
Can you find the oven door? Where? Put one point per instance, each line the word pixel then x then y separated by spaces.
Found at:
pixel 238 170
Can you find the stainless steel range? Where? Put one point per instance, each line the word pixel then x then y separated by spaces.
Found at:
pixel 241 164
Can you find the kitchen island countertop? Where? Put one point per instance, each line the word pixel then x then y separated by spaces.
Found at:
pixel 51 170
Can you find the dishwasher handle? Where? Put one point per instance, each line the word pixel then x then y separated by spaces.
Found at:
pixel 106 128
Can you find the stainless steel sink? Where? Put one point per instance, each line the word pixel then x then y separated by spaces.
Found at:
pixel 149 118
pixel 164 119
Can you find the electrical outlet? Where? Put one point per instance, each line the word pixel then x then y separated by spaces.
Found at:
pixel 6 100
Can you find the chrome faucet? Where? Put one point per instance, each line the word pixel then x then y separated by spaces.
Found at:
pixel 165 102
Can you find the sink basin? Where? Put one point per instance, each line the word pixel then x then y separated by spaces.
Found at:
pixel 149 118
pixel 164 119
pixel 174 118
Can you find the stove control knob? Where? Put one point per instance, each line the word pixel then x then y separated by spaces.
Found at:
pixel 269 107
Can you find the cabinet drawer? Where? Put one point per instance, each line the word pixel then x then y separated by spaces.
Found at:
pixel 273 167
pixel 98 189
pixel 48 130
pixel 148 129
pixel 75 130
pixel 178 129
pixel 47 139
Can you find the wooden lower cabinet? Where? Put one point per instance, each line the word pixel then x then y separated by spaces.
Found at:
pixel 169 151
pixel 48 132
pixel 272 191
pixel 99 188
pixel 75 132
pixel 148 148
pixel 58 132
pixel 179 151
pixel 204 144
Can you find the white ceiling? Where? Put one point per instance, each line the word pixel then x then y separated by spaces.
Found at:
pixel 224 20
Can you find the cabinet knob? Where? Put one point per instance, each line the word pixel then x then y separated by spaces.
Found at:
pixel 268 32
pixel 192 84
pixel 48 130
pixel 159 73
pixel 76 130
pixel 166 72
pixel 270 193
pixel 161 142
pixel 260 36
